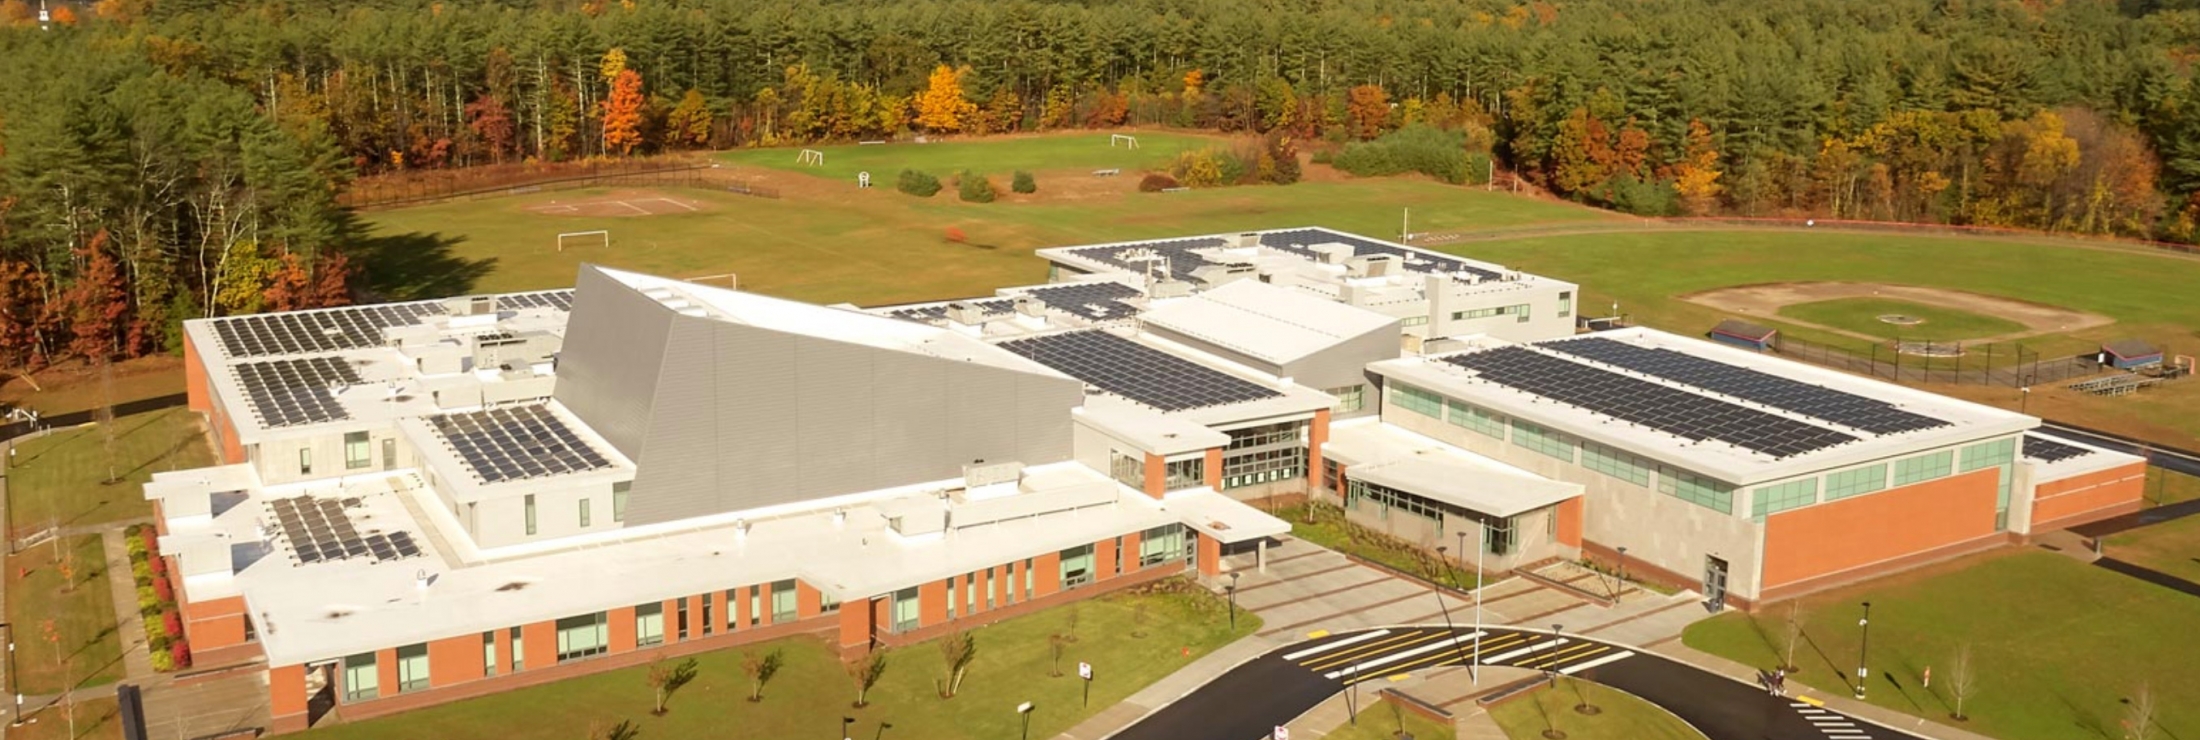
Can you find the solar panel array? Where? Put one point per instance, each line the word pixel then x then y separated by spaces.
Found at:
pixel 1101 301
pixel 1664 408
pixel 927 314
pixel 320 530
pixel 2048 450
pixel 1136 371
pixel 516 443
pixel 558 299
pixel 1847 409
pixel 1301 241
pixel 309 332
pixel 292 392
pixel 1139 258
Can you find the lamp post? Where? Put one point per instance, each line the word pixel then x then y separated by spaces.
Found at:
pixel 2024 399
pixel 1863 649
pixel 1550 664
pixel 1232 589
pixel 1441 606
pixel 844 723
pixel 1483 538
pixel 1025 710
pixel 1622 572
pixel 882 728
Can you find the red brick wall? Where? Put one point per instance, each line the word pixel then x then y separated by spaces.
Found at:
pixel 1103 559
pixel 1156 484
pixel 1047 576
pixel 1317 435
pixel 1569 521
pixel 1131 544
pixel 807 601
pixel 931 603
pixel 764 604
pixel 1214 468
pixel 1857 532
pixel 214 623
pixel 855 624
pixel 385 671
pixel 2083 498
pixel 542 644
pixel 195 391
pixel 620 629
pixel 1210 556
pixel 504 651
pixel 286 690
pixel 454 660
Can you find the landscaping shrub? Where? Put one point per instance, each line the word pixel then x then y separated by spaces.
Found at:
pixel 171 624
pixel 1023 183
pixel 133 530
pixel 1208 167
pixel 163 591
pixel 1419 148
pixel 147 597
pixel 163 662
pixel 1155 182
pixel 180 653
pixel 1277 162
pixel 159 566
pixel 973 187
pixel 141 572
pixel 135 546
pixel 155 632
pixel 1640 197
pixel 917 183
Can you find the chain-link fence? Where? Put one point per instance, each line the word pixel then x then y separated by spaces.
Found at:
pixel 429 186
pixel 1996 363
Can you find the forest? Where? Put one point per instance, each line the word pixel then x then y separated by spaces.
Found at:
pixel 169 159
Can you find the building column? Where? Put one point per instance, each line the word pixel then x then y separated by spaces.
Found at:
pixel 1260 554
pixel 1210 556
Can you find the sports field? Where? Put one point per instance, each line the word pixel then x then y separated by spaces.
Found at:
pixel 994 156
pixel 1894 319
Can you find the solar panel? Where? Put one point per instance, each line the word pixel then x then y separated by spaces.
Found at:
pixel 1301 241
pixel 1100 301
pixel 1136 371
pixel 929 314
pixel 320 530
pixel 308 332
pixel 516 442
pixel 1847 409
pixel 1141 258
pixel 1664 408
pixel 2047 450
pixel 285 393
pixel 561 300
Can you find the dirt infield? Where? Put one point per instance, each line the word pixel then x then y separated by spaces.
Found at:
pixel 621 204
pixel 1766 300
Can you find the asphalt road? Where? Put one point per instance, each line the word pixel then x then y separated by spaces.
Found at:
pixel 1248 702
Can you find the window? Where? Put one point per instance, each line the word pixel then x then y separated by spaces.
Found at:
pixel 618 499
pixel 1129 470
pixel 1177 475
pixel 1161 544
pixel 2000 453
pixel 1349 398
pixel 583 636
pixel 389 452
pixel 530 503
pixel 1543 440
pixel 1855 482
pixel 519 651
pixel 489 653
pixel 649 624
pixel 1416 400
pixel 1383 500
pixel 1027 579
pixel 827 603
pixel 1118 555
pixel 756 606
pixel 1923 467
pixel 989 588
pixel 584 513
pixel 682 617
pixel 733 618
pixel 905 610
pixel 970 593
pixel 361 680
pixel 1265 453
pixel 1476 418
pixel 1615 463
pixel 1772 499
pixel 1413 321
pixel 358 451
pixel 708 623
pixel 412 667
pixel 305 461
pixel 951 597
pixel 783 602
pixel 1076 566
pixel 1696 489
pixel 1565 303
pixel 1520 310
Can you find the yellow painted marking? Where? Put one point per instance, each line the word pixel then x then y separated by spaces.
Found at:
pixel 1317 634
pixel 1579 650
pixel 1355 654
pixel 1813 701
pixel 1437 658
pixel 1396 677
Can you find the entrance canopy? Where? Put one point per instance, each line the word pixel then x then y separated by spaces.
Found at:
pixel 1223 518
pixel 1401 460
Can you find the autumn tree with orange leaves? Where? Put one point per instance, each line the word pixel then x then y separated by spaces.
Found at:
pixel 1369 108
pixel 942 107
pixel 622 113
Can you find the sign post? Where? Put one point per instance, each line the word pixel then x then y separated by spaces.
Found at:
pixel 1084 671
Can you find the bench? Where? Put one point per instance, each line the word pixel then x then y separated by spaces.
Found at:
pixel 1107 173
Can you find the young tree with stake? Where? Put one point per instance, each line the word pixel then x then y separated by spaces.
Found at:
pixel 760 668
pixel 1962 680
pixel 958 648
pixel 665 678
pixel 867 673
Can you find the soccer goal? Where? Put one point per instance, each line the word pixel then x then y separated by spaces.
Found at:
pixel 810 157
pixel 598 238
pixel 1126 141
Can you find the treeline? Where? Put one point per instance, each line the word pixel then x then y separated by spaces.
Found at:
pixel 206 138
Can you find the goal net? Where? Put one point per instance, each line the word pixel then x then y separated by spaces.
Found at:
pixel 810 157
pixel 599 238
pixel 1126 141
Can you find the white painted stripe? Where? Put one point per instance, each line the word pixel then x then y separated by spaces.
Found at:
pixel 1831 722
pixel 1798 705
pixel 1536 648
pixel 1398 656
pixel 1353 640
pixel 1621 655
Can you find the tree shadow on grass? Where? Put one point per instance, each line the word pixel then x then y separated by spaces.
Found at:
pixel 413 265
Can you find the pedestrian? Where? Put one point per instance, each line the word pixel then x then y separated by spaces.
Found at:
pixel 1780 681
pixel 1928 677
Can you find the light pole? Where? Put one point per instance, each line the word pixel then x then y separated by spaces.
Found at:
pixel 1232 589
pixel 1483 538
pixel 844 723
pixel 882 728
pixel 1622 591
pixel 1550 664
pixel 2024 399
pixel 1449 628
pixel 1025 710
pixel 1863 649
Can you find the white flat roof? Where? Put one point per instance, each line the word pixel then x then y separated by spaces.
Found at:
pixel 1407 461
pixel 1265 322
pixel 1966 421
pixel 1158 433
pixel 1223 518
pixel 2095 459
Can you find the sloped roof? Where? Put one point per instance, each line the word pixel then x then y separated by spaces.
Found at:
pixel 1265 322
pixel 2129 348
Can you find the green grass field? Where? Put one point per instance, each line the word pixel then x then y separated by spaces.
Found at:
pixel 1383 720
pixel 812 692
pixel 83 649
pixel 994 156
pixel 2057 644
pixel 1861 315
pixel 61 478
pixel 96 719
pixel 1620 715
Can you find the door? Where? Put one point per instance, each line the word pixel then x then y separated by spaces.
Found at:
pixel 389 453
pixel 320 691
pixel 1714 583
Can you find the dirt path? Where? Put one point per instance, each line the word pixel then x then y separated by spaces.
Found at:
pixel 1766 300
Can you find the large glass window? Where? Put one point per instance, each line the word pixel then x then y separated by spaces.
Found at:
pixel 358 451
pixel 1416 400
pixel 905 610
pixel 1178 475
pixel 783 602
pixel 1923 467
pixel 1350 398
pixel 1520 310
pixel 618 499
pixel 519 651
pixel 1771 499
pixel 489 653
pixel 584 513
pixel 1696 489
pixel 1076 566
pixel 412 667
pixel 583 636
pixel 1029 579
pixel 2001 454
pixel 1474 417
pixel 827 603
pixel 1615 463
pixel 1543 440
pixel 649 624
pixel 1855 482
pixel 1161 544
pixel 1263 466
pixel 361 680
pixel 1129 470
pixel 756 606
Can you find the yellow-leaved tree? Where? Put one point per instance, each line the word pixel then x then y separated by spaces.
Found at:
pixel 1696 178
pixel 942 107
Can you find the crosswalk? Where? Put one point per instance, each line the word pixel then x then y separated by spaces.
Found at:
pixel 1388 653
pixel 1833 724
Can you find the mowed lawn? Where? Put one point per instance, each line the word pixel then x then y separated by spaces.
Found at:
pixel 96 719
pixel 999 156
pixel 82 648
pixel 880 247
pixel 1383 720
pixel 1861 315
pixel 812 692
pixel 1620 716
pixel 2057 645
pixel 61 478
